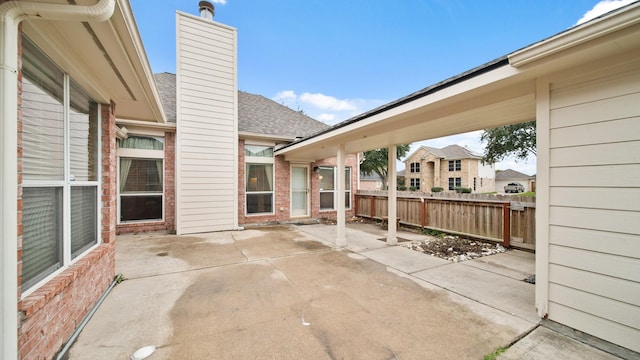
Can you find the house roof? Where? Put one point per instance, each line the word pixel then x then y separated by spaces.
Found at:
pixel 449 152
pixel 259 115
pixel 256 114
pixel 166 83
pixel 510 174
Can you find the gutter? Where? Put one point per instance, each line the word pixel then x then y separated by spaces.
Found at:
pixel 11 14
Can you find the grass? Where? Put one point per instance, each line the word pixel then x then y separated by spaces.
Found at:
pixel 528 193
pixel 495 353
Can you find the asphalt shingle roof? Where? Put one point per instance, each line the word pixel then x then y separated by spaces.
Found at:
pixel 511 175
pixel 167 88
pixel 256 113
pixel 453 152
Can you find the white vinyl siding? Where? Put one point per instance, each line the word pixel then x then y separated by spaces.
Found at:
pixel 594 205
pixel 207 123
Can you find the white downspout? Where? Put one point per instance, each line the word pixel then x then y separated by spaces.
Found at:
pixel 11 14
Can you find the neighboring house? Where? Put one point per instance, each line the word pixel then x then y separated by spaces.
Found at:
pixel 449 168
pixel 504 177
pixel 370 182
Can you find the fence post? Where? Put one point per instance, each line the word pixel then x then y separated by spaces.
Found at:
pixel 506 232
pixel 356 207
pixel 373 206
pixel 423 220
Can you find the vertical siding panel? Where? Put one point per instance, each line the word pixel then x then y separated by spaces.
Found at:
pixel 207 126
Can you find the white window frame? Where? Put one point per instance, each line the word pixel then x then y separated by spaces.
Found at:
pixel 67 183
pixel 259 160
pixel 142 154
pixel 335 191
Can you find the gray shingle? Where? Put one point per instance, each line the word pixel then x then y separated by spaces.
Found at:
pixel 166 83
pixel 256 113
pixel 453 152
pixel 510 174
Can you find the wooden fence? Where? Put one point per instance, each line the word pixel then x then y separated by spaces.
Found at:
pixel 478 216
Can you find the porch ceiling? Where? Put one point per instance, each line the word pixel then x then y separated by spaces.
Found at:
pixel 107 59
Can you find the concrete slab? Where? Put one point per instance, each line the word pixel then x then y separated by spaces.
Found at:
pixel 500 292
pixel 404 259
pixel 515 264
pixel 283 297
pixel 543 344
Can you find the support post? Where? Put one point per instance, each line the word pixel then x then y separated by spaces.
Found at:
pixel 341 239
pixel 506 231
pixel 392 191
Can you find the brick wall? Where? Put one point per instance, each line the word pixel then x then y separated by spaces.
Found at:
pixel 50 314
pixel 350 160
pixel 169 223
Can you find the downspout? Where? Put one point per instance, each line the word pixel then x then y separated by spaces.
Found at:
pixel 11 14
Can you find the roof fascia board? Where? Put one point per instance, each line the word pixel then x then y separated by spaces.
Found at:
pixel 441 92
pixel 252 135
pixel 147 124
pixel 577 35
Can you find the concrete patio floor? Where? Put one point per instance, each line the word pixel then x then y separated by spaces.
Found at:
pixel 286 292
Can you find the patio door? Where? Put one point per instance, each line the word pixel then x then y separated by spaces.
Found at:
pixel 299 190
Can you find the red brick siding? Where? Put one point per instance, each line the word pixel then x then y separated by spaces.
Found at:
pixel 169 223
pixel 282 175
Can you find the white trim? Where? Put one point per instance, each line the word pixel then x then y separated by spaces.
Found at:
pixel 577 35
pixel 146 124
pixel 308 190
pixel 542 198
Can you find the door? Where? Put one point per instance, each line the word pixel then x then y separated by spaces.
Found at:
pixel 299 190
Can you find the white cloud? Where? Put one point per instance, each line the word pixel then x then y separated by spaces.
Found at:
pixel 326 102
pixel 326 118
pixel 222 2
pixel 603 7
pixel 326 108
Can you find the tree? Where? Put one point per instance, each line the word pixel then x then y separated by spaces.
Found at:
pixel 518 140
pixel 376 161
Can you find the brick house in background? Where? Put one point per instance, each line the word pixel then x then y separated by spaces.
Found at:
pixel 449 168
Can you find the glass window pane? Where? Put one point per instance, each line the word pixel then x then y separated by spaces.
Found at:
pixel 347 200
pixel 146 207
pixel 327 179
pixel 259 203
pixel 42 133
pixel 258 151
pixel 347 178
pixel 140 175
pixel 42 233
pixel 83 129
pixel 259 177
pixel 326 201
pixel 84 212
pixel 142 142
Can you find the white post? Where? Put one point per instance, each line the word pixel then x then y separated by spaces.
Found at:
pixel 392 207
pixel 341 239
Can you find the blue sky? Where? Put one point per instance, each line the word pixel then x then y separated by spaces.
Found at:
pixel 335 59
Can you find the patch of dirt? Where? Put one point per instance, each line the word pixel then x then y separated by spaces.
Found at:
pixel 455 248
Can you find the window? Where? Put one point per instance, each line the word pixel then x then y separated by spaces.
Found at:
pixel 60 158
pixel 455 183
pixel 414 167
pixel 328 193
pixel 455 165
pixel 474 184
pixel 259 179
pixel 141 169
pixel 414 183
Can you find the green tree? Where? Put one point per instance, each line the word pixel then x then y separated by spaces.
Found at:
pixel 518 140
pixel 376 161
